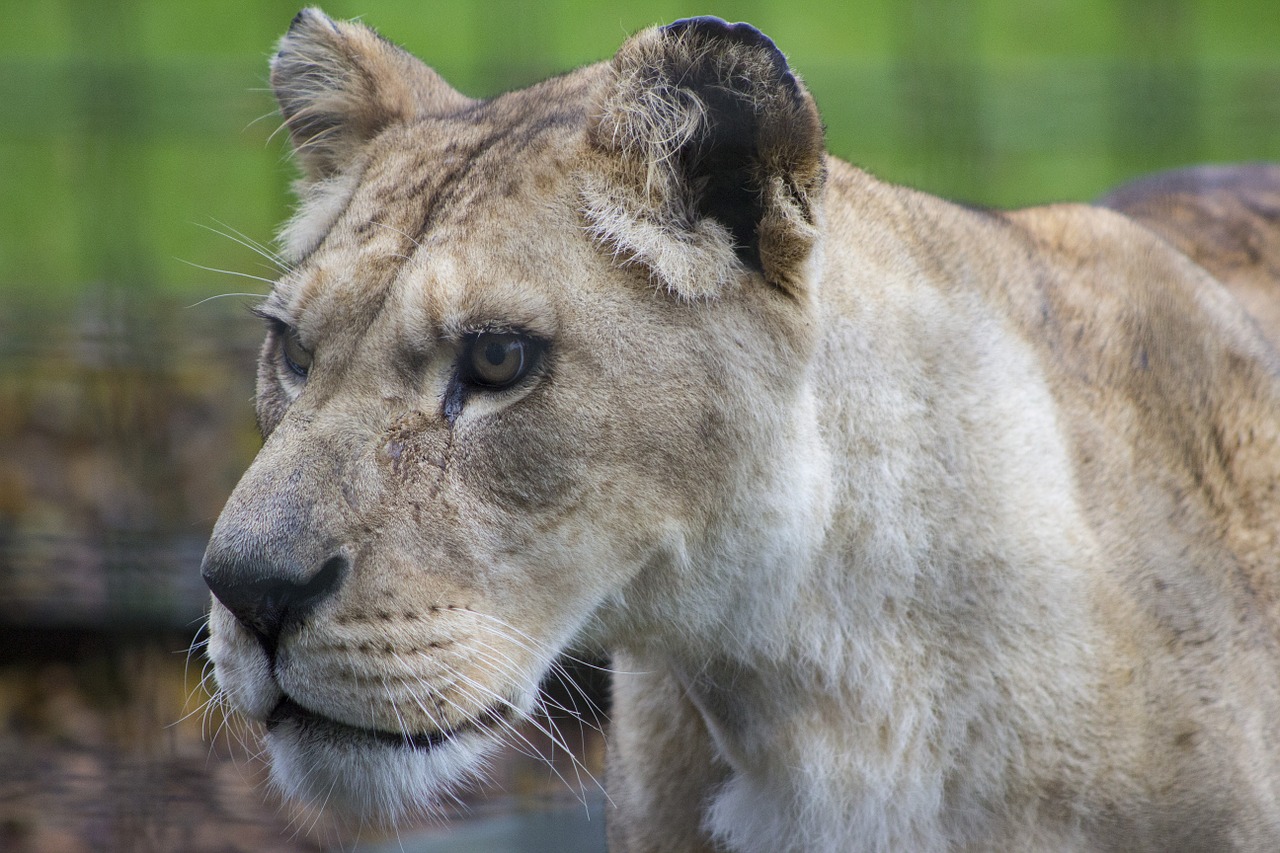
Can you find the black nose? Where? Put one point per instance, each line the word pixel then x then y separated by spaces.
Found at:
pixel 265 598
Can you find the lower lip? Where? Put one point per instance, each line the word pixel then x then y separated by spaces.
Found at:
pixel 289 711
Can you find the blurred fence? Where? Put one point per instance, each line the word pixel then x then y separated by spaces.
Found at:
pixel 132 130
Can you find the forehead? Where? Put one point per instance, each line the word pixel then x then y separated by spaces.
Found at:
pixel 466 170
pixel 450 211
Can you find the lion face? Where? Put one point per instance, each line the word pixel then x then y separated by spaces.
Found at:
pixel 517 383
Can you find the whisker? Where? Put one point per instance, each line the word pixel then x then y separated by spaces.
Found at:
pixel 555 667
pixel 577 692
pixel 504 666
pixel 549 731
pixel 402 233
pixel 239 237
pixel 225 296
pixel 609 670
pixel 262 117
pixel 267 281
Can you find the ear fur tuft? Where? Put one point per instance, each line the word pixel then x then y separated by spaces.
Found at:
pixel 340 83
pixel 715 158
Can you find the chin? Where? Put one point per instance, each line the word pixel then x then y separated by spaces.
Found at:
pixel 370 778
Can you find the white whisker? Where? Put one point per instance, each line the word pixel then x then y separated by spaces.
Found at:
pixel 399 231
pixel 239 237
pixel 268 281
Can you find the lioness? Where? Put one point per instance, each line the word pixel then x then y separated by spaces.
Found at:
pixel 909 527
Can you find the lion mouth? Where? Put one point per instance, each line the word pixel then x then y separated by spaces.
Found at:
pixel 306 720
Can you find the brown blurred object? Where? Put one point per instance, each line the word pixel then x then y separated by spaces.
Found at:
pixel 101 749
pixel 123 427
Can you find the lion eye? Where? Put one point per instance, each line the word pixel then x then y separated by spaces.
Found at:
pixel 496 359
pixel 296 357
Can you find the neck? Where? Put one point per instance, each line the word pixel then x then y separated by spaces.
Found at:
pixel 923 559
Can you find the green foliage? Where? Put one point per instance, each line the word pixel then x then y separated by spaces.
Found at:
pixel 133 126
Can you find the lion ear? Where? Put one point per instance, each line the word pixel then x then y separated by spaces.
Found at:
pixel 340 83
pixel 714 158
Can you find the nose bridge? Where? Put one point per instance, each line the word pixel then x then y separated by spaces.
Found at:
pixel 273 508
pixel 311 472
pixel 278 548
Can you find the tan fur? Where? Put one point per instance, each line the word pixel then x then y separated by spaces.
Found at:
pixel 909 526
pixel 1224 218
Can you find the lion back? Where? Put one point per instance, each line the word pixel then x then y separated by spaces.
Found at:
pixel 1226 219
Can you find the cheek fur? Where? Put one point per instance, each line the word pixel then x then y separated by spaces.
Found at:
pixel 535 460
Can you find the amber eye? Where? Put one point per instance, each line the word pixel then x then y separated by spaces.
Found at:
pixel 497 359
pixel 296 357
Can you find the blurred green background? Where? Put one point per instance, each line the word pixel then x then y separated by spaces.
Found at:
pixel 129 124
pixel 139 154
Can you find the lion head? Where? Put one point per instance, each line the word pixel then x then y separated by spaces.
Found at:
pixel 535 379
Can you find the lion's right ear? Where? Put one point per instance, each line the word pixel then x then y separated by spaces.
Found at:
pixel 340 83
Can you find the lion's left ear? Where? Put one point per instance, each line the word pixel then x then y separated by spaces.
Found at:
pixel 714 158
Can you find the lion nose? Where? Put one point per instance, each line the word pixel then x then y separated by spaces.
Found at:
pixel 265 601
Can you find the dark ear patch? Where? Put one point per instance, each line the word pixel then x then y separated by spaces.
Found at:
pixel 719 165
pixel 726 141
